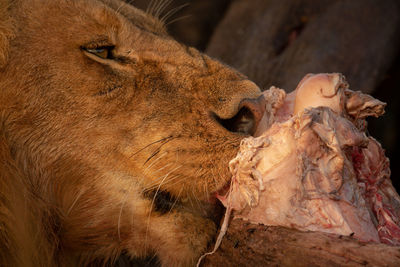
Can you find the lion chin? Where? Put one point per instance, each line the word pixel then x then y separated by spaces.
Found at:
pixel 114 138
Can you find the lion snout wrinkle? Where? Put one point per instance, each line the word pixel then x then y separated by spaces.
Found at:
pixel 106 152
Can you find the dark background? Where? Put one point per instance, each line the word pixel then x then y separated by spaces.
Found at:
pixel 277 42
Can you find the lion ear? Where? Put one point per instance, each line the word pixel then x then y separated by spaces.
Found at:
pixel 6 30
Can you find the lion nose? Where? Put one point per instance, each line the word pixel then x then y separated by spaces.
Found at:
pixel 248 117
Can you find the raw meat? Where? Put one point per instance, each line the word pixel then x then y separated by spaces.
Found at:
pixel 312 167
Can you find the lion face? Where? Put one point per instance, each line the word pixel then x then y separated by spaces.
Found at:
pixel 116 94
pixel 96 97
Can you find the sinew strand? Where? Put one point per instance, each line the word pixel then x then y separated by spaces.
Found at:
pixel 224 226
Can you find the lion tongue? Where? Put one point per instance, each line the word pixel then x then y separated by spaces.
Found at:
pixel 221 194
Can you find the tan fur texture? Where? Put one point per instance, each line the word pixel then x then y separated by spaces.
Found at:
pixel 88 144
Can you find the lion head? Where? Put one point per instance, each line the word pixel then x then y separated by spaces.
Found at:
pixel 102 114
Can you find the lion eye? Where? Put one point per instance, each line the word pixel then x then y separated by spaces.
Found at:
pixel 104 52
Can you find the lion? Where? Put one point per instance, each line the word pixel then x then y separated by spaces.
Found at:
pixel 114 137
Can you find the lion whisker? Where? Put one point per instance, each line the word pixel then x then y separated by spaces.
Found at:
pixel 207 194
pixel 152 155
pixel 156 151
pixel 152 143
pixel 172 12
pixel 75 201
pixel 197 201
pixel 162 7
pixel 155 181
pixel 120 211
pixel 162 168
pixel 123 4
pixel 153 200
pixel 167 183
pixel 149 8
pixel 177 19
pixel 154 6
pixel 173 178
pixel 176 199
pixel 191 202
pixel 156 160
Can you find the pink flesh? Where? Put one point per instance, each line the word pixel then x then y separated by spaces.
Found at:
pixel 316 169
pixel 372 172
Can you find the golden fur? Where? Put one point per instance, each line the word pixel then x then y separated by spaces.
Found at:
pixel 88 145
